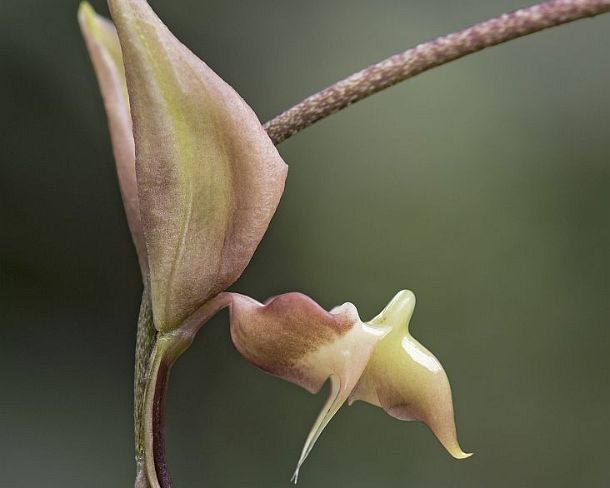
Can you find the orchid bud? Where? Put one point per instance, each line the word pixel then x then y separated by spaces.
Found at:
pixel 209 179
pixel 292 337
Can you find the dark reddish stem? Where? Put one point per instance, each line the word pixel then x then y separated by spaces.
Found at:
pixel 168 348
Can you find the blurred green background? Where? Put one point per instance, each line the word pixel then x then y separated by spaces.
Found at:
pixel 484 186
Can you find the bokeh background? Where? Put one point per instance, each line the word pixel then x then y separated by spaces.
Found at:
pixel 484 186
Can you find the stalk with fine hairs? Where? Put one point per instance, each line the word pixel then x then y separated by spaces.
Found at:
pixel 428 55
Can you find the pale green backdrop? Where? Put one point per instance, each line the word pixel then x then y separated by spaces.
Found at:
pixel 484 186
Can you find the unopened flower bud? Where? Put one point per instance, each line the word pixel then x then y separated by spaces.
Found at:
pixel 209 179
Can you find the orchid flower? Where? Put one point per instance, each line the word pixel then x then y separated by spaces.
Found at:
pixel 378 361
pixel 200 181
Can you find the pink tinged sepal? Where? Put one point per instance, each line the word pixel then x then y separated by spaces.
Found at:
pixel 292 337
pixel 105 52
pixel 209 178
pixel 405 379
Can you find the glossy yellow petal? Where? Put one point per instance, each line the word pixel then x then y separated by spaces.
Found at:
pixel 209 177
pixel 105 52
pixel 292 337
pixel 405 379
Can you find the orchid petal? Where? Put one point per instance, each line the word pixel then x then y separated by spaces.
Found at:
pixel 405 379
pixel 209 177
pixel 105 52
pixel 292 337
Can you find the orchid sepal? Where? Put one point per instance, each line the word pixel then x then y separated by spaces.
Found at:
pixel 208 178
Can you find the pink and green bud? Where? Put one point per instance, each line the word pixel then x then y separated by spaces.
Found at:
pixel 209 179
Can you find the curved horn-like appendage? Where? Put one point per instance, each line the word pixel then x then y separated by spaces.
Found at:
pixel 405 379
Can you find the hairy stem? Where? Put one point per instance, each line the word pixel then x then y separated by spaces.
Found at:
pixel 145 343
pixel 429 55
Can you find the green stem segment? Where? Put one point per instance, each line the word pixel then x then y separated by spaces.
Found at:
pixel 429 55
pixel 145 343
pixel 167 349
pixel 150 401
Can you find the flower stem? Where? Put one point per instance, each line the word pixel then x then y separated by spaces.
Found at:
pixel 145 343
pixel 167 349
pixel 158 423
pixel 150 421
pixel 429 55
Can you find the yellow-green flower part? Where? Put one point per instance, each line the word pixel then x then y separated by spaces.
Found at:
pixel 405 379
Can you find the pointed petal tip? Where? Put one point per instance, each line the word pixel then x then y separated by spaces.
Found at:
pixel 336 398
pixel 86 15
pixel 403 300
pixel 451 444
pixel 404 295
pixel 84 9
pixel 447 436
pixel 88 18
pixel 295 477
pixel 399 311
pixel 457 453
